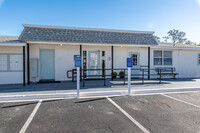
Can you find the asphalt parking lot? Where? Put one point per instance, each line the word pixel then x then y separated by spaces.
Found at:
pixel 161 113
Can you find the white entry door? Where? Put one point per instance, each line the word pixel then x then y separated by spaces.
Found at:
pixel 47 64
pixel 94 62
pixel 136 63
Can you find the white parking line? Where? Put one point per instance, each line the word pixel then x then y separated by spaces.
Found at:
pixel 23 130
pixel 181 101
pixel 127 115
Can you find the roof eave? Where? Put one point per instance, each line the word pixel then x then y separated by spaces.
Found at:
pixel 88 29
pixel 81 43
pixel 174 48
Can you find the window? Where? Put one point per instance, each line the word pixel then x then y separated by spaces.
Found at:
pixel 162 57
pixel 199 59
pixel 135 62
pixel 157 57
pixel 3 62
pixel 167 57
pixel 11 62
pixel 16 62
pixel 84 63
pixel 103 63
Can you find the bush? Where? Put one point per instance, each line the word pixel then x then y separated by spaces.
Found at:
pixel 114 75
pixel 121 74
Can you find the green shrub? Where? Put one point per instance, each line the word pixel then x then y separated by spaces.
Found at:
pixel 121 73
pixel 114 73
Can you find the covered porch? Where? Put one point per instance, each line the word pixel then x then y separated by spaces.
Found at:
pixel 51 50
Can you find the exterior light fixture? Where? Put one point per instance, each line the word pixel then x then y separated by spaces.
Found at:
pixel 61 44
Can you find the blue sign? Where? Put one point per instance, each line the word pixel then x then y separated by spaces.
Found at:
pixel 77 59
pixel 129 62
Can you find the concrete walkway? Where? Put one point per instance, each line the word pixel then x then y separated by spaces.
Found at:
pixel 95 88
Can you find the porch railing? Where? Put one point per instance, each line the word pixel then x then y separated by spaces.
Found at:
pixel 103 74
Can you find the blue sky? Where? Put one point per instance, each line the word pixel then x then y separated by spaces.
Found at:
pixel 146 15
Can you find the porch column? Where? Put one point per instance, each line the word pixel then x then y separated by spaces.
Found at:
pixel 149 57
pixel 24 67
pixel 112 58
pixel 28 64
pixel 81 58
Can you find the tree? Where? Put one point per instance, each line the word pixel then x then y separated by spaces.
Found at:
pixel 189 42
pixel 197 44
pixel 157 38
pixel 176 36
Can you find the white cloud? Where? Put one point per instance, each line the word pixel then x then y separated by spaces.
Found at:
pixel 198 1
pixel 150 25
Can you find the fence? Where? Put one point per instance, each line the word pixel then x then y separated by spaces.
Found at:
pixel 103 74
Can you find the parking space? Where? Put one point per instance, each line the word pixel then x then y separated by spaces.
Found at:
pixel 14 115
pixel 83 115
pixel 161 113
pixel 193 97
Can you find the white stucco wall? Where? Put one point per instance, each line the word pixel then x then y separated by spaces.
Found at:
pixel 11 77
pixel 188 64
pixel 184 61
pixel 64 57
pixel 121 53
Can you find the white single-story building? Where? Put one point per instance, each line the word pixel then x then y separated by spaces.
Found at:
pixel 43 53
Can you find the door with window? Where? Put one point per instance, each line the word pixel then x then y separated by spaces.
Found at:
pixel 136 64
pixel 94 63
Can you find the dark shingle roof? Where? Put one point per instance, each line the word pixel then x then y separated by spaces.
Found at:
pixel 10 41
pixel 8 38
pixel 178 45
pixel 83 35
pixel 168 45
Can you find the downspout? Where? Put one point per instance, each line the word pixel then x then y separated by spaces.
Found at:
pixel 28 64
pixel 149 62
pixel 24 67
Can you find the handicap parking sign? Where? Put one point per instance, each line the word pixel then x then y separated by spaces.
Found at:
pixel 77 59
pixel 129 62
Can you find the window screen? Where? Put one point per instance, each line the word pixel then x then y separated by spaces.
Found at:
pixel 11 62
pixel 199 59
pixel 162 57
pixel 157 57
pixel 167 57
pixel 3 62
pixel 16 62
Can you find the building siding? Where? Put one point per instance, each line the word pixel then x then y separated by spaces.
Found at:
pixel 185 61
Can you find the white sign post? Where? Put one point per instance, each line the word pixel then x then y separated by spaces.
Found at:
pixel 129 65
pixel 77 60
pixel 78 81
pixel 129 80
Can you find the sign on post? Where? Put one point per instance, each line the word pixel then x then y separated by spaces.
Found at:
pixel 77 59
pixel 129 64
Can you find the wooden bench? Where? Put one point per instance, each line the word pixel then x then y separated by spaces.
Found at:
pixel 166 71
